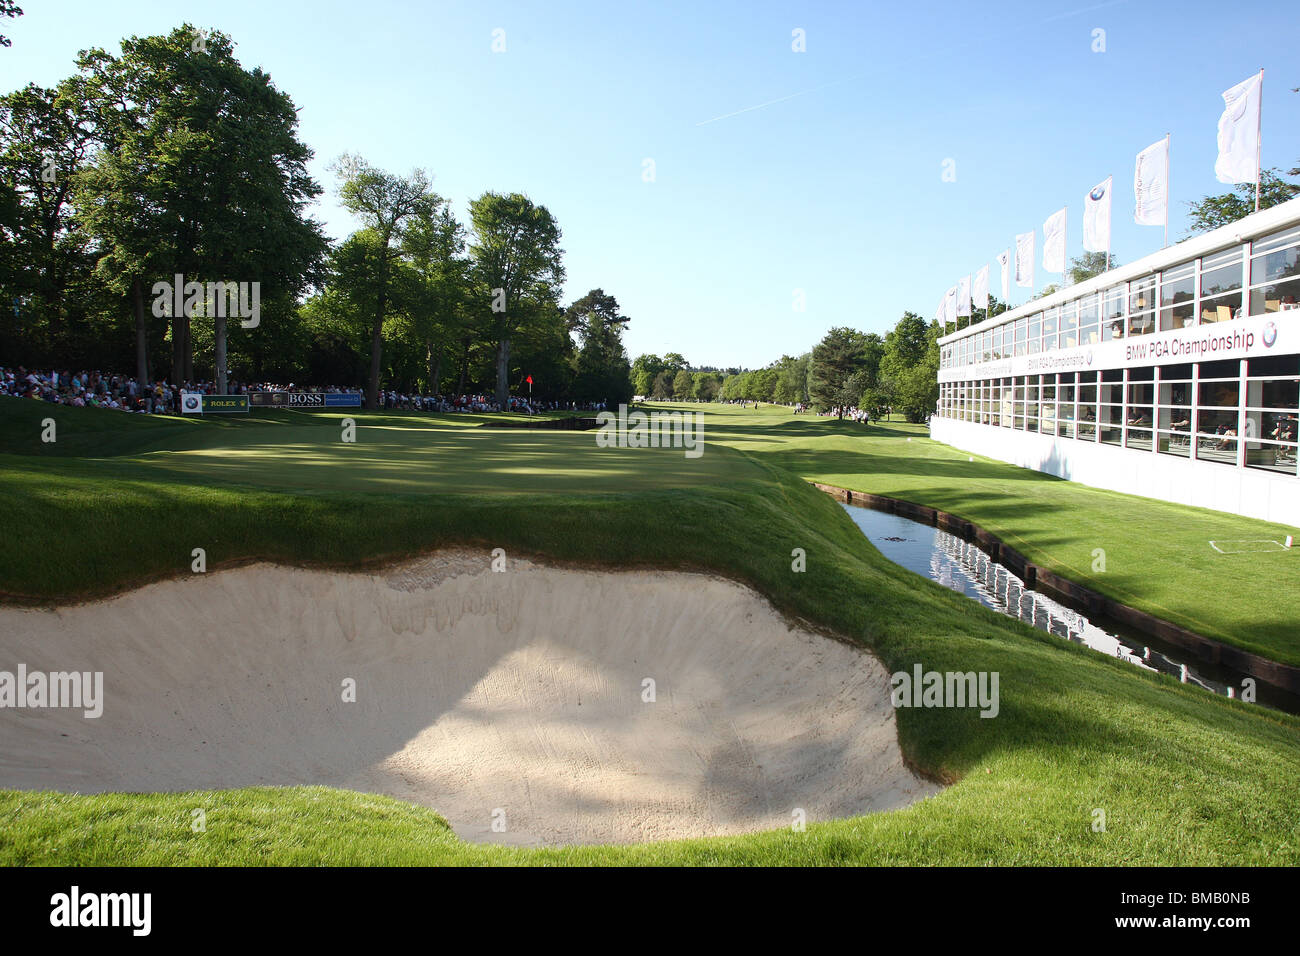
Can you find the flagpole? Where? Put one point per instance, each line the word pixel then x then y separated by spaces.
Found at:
pixel 1259 132
pixel 1168 136
pixel 1110 186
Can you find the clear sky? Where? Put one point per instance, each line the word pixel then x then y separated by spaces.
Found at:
pixel 774 171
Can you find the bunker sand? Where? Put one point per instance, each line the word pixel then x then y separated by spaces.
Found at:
pixel 517 697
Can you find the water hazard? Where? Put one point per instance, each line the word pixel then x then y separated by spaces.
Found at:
pixel 962 566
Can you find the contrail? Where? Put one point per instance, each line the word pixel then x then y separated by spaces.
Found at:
pixel 1075 13
pixel 779 99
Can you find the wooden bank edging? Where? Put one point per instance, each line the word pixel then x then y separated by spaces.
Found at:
pixel 1097 605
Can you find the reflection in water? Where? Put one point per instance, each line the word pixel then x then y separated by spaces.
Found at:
pixel 963 567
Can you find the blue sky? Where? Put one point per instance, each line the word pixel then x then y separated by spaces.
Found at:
pixel 836 188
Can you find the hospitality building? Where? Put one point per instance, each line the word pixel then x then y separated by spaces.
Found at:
pixel 1175 377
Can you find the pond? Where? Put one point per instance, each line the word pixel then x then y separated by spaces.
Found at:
pixel 965 568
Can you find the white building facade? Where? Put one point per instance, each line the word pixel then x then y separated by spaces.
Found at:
pixel 1175 377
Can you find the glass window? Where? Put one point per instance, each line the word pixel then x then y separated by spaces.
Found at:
pixel 1050 319
pixel 1141 306
pixel 1089 316
pixel 1070 325
pixel 1177 295
pixel 1275 278
pixel 1113 313
pixel 1221 286
pixel 1035 332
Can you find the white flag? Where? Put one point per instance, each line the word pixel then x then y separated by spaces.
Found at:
pixel 1150 185
pixel 1054 242
pixel 950 306
pixel 1238 160
pixel 1004 260
pixel 980 288
pixel 963 297
pixel 1025 260
pixel 1096 218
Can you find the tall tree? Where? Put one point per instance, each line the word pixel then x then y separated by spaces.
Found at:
pixel 836 359
pixel 386 204
pixel 601 368
pixel 200 173
pixel 1211 212
pixel 435 249
pixel 519 269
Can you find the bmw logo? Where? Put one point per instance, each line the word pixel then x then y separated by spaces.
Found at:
pixel 1089 356
pixel 1097 193
pixel 191 401
pixel 1270 334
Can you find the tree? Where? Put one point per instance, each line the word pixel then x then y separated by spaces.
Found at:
pixel 683 385
pixel 1214 211
pixel 437 297
pixel 519 267
pixel 602 372
pixel 386 204
pixel 663 386
pixel 8 8
pixel 1089 265
pixel 707 386
pixel 200 172
pixel 835 360
pixel 644 371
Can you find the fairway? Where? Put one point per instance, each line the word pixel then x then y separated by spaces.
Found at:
pixel 304 451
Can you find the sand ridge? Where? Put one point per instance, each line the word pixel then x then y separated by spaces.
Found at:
pixel 516 697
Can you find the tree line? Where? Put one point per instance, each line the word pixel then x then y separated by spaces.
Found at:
pixel 171 160
pixel 846 369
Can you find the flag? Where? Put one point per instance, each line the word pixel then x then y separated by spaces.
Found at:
pixel 1096 218
pixel 941 313
pixel 529 380
pixel 1054 242
pixel 1238 160
pixel 1150 185
pixel 1025 260
pixel 980 288
pixel 963 297
pixel 950 305
pixel 1004 260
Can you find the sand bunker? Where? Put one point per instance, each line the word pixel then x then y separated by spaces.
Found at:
pixel 517 696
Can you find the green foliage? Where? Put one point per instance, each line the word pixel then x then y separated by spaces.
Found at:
pixel 1211 212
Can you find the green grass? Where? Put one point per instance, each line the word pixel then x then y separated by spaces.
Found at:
pixel 1183 777
pixel 1157 555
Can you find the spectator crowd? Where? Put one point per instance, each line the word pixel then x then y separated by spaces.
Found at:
pixel 100 390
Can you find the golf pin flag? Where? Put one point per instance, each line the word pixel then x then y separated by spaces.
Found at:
pixel 1096 218
pixel 529 380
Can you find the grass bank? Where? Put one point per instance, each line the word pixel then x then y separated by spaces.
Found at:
pixel 1182 777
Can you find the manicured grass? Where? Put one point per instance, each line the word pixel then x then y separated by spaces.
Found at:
pixel 1184 777
pixel 1157 555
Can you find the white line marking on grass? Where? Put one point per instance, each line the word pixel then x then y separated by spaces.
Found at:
pixel 1236 546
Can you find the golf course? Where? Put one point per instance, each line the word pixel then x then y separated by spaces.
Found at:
pixel 116 506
